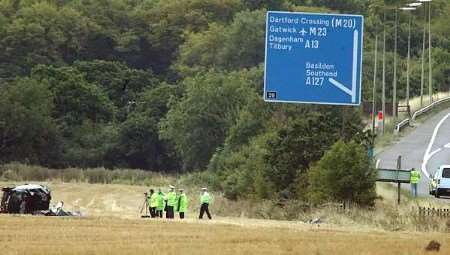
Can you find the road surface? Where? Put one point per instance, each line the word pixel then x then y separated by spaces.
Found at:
pixel 425 148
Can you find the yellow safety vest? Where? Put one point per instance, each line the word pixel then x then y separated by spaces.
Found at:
pixel 415 176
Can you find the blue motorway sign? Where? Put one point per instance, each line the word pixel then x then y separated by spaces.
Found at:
pixel 313 58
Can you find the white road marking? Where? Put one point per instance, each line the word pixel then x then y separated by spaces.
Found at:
pixel 434 152
pixel 447 146
pixel 427 154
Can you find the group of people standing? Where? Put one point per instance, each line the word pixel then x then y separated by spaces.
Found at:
pixel 173 202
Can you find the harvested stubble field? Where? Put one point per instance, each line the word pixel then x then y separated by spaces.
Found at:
pixel 112 226
pixel 43 235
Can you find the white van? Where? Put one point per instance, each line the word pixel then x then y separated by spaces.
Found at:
pixel 441 182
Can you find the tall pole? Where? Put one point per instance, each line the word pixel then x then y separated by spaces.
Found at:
pixel 399 166
pixel 394 85
pixel 422 76
pixel 383 98
pixel 407 61
pixel 430 83
pixel 411 7
pixel 374 99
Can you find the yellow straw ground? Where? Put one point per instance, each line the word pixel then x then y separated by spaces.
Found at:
pixel 112 235
pixel 112 226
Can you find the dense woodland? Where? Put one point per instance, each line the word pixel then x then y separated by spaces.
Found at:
pixel 176 86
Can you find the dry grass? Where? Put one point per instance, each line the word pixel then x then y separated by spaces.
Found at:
pixel 44 235
pixel 125 201
pixel 112 226
pixel 415 101
pixel 116 200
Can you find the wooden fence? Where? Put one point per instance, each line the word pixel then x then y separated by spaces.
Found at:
pixel 437 212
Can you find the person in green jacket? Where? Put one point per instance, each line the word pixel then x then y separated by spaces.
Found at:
pixel 414 180
pixel 159 204
pixel 153 203
pixel 182 203
pixel 205 200
pixel 171 200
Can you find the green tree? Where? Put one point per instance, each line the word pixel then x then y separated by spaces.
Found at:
pixel 239 45
pixel 138 144
pixel 199 123
pixel 27 131
pixel 171 20
pixel 296 146
pixel 84 114
pixel 121 83
pixel 273 5
pixel 75 98
pixel 304 133
pixel 88 145
pixel 344 173
pixel 40 33
pixel 241 171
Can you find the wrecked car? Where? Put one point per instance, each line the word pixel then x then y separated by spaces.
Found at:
pixel 25 199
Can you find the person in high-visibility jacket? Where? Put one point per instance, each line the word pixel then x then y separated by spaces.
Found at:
pixel 171 199
pixel 159 204
pixel 153 203
pixel 205 200
pixel 414 180
pixel 182 203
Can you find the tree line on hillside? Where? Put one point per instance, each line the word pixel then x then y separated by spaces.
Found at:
pixel 176 86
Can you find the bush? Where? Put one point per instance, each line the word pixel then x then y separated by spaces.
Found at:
pixel 343 174
pixel 240 172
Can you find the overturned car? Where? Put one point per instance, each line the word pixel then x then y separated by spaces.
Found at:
pixel 25 199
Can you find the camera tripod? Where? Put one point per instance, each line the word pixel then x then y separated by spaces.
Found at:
pixel 144 206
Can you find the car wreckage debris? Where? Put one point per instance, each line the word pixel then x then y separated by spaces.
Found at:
pixel 31 199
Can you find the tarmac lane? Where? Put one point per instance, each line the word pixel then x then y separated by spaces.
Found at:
pixel 425 148
pixel 439 148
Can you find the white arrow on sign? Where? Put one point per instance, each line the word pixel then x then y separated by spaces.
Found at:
pixel 351 92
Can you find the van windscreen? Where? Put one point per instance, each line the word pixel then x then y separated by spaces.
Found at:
pixel 446 173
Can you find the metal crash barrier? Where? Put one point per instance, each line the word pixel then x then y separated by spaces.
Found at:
pixel 406 122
